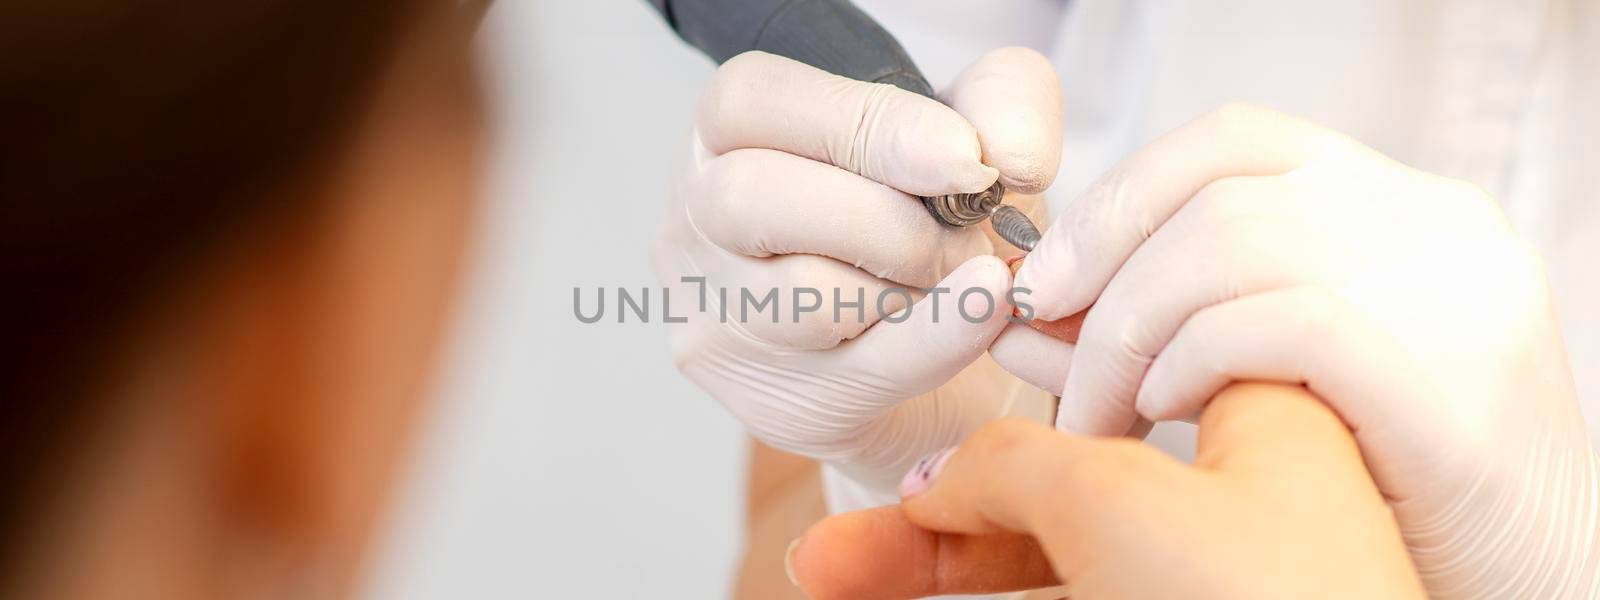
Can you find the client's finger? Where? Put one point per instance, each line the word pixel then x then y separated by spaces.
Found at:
pixel 1018 476
pixel 1022 477
pixel 879 553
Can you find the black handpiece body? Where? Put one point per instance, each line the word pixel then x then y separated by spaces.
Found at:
pixel 837 37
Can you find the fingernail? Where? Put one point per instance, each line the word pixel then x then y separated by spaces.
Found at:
pixel 788 561
pixel 921 475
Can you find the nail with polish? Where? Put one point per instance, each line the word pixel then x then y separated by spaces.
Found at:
pixel 921 475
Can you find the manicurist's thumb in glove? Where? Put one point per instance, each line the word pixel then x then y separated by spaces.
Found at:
pixel 1249 245
pixel 803 185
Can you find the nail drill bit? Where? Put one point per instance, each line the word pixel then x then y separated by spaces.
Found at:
pixel 965 210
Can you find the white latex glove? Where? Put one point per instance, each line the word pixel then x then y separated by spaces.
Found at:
pixel 1252 246
pixel 801 179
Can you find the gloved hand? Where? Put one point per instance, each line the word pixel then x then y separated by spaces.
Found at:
pixel 1277 505
pixel 803 180
pixel 1252 246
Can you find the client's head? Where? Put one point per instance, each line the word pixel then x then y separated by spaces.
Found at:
pixel 229 239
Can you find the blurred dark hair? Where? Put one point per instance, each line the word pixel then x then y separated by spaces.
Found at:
pixel 132 134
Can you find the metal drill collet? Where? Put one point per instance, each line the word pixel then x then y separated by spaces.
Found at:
pixel 966 210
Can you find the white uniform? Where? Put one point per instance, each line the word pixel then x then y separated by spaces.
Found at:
pixel 1502 93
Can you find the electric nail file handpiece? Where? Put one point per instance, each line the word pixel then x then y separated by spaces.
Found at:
pixel 835 36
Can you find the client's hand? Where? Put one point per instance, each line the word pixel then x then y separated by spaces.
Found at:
pixel 1277 505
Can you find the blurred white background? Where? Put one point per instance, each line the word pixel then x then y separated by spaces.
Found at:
pixel 564 460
